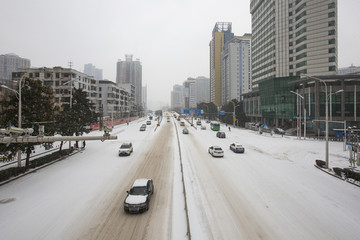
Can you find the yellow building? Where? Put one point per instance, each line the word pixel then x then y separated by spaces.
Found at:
pixel 220 35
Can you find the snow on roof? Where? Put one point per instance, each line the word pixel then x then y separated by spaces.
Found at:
pixel 140 182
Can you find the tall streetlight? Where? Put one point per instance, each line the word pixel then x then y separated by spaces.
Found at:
pixel 302 97
pixel 326 118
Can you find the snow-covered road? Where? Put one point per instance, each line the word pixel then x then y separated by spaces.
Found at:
pixel 272 191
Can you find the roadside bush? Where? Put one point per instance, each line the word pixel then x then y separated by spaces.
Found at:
pixel 349 173
pixel 320 163
pixel 15 171
pixel 338 171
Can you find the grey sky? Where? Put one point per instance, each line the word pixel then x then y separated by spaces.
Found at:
pixel 170 37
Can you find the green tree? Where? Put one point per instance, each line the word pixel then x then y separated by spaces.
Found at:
pixel 210 110
pixel 75 120
pixel 37 108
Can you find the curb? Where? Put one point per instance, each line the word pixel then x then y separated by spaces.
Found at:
pixel 334 175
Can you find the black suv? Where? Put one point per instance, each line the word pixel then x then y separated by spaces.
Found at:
pixel 138 198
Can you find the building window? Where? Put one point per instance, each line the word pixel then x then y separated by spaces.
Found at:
pixel 37 74
pixel 290 36
pixel 297 1
pixel 332 68
pixel 301 64
pixel 331 32
pixel 301 31
pixel 300 23
pixel 332 50
pixel 291 67
pixel 290 14
pixel 331 14
pixel 298 73
pixel 291 59
pixel 300 8
pixel 300 15
pixel 332 59
pixel 331 23
pixel 331 5
pixel 332 41
pixel 300 56
pixel 290 5
pixel 300 40
pixel 291 51
pixel 302 47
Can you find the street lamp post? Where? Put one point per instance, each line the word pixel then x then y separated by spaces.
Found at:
pixel 326 118
pixel 19 109
pixel 302 97
pixel 233 112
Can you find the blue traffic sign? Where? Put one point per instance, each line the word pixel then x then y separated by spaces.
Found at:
pixel 222 112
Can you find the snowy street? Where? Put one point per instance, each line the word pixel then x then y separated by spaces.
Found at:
pixel 272 191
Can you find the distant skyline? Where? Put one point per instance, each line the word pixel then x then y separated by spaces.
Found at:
pixel 171 38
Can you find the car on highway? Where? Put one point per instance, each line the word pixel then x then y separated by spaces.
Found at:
pixel 237 148
pixel 182 123
pixel 216 151
pixel 203 127
pixel 138 197
pixel 148 122
pixel 220 134
pixel 143 127
pixel 126 149
pixel 185 131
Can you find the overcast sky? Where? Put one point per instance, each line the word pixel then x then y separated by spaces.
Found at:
pixel 170 37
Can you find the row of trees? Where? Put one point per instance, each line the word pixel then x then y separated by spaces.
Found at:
pixel 211 111
pixel 38 108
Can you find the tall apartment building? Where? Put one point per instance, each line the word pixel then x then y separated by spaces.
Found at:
pixel 196 90
pixel 91 70
pixel 236 68
pixel 290 38
pixel 130 71
pixel 220 35
pixel 10 63
pixel 177 100
pixel 144 97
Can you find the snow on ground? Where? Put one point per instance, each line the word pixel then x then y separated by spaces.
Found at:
pixel 272 191
pixel 274 184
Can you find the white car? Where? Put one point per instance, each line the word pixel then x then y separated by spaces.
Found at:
pixel 237 148
pixel 126 149
pixel 216 151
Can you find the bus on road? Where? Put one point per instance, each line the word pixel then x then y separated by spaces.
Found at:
pixel 215 126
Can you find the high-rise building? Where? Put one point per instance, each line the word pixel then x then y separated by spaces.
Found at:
pixel 130 71
pixel 291 37
pixel 177 100
pixel 10 63
pixel 202 85
pixel 144 97
pixel 220 35
pixel 195 91
pixel 91 70
pixel 236 68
